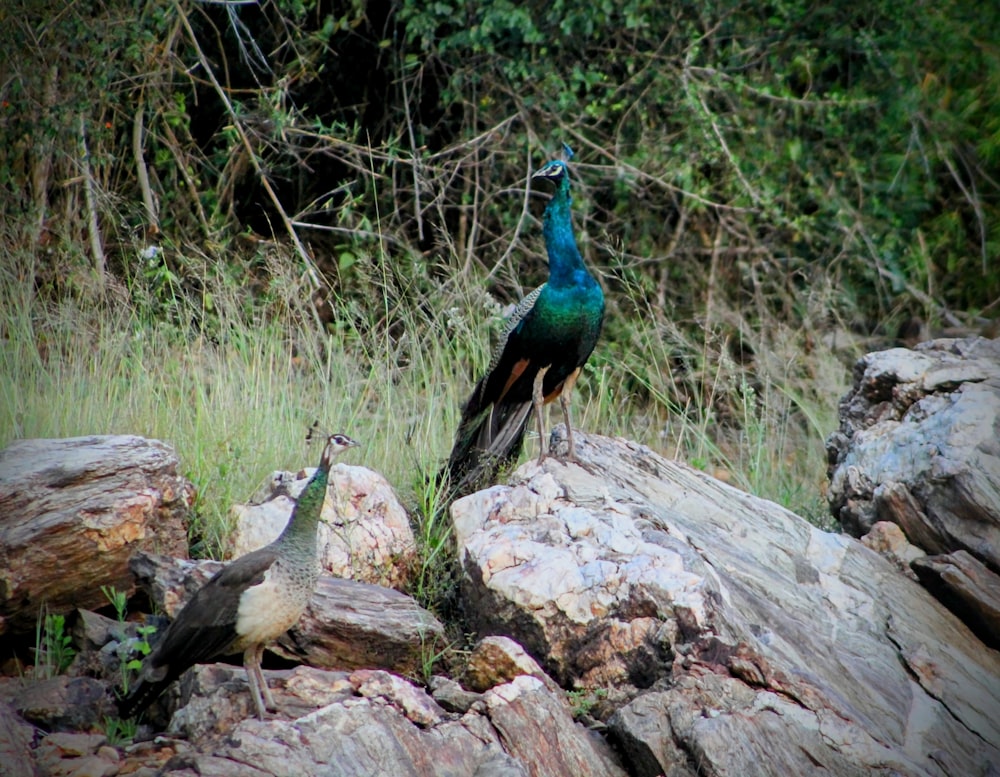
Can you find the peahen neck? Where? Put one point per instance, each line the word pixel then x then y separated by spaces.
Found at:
pixel 301 528
pixel 566 266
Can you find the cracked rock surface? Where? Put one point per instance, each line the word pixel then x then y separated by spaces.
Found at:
pixel 919 447
pixel 745 640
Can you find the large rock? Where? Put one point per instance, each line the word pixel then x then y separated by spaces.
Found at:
pixel 82 506
pixel 919 445
pixel 364 532
pixel 17 740
pixel 767 645
pixel 967 588
pixel 374 723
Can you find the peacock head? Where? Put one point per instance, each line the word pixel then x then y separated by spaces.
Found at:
pixel 554 171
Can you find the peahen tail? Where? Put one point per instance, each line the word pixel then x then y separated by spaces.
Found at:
pixel 144 693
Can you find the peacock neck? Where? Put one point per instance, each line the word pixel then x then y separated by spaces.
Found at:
pixel 565 262
pixel 301 528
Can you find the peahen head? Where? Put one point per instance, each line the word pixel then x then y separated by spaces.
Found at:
pixel 335 445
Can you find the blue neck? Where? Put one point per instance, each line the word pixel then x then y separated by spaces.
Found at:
pixel 565 262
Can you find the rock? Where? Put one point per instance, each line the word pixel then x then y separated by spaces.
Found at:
pixel 413 702
pixel 750 641
pixel 352 625
pixel 888 539
pixel 347 624
pixel 497 660
pixel 16 743
pixel 92 631
pixel 84 503
pixel 378 723
pixel 76 755
pixel 364 533
pixel 538 730
pixel 214 699
pixel 966 587
pixel 168 581
pixel 918 446
pixel 585 597
pixel 452 696
pixel 63 703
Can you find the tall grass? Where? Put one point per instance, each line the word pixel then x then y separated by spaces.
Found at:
pixel 235 403
pixel 236 397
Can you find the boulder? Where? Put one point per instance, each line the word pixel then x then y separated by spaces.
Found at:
pixel 364 533
pixel 83 505
pixel 919 445
pixel 967 588
pixel 748 641
pixel 17 741
pixel 373 722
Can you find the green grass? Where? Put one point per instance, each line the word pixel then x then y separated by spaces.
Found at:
pixel 236 395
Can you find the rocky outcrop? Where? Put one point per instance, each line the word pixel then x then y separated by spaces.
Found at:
pixel 749 641
pixel 83 505
pixel 919 446
pixel 375 723
pixel 698 630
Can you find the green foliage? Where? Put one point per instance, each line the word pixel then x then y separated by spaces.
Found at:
pixel 435 577
pixel 120 732
pixel 751 180
pixel 582 701
pixel 118 600
pixel 53 646
pixel 130 655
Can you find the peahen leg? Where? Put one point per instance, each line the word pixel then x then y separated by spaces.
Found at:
pixel 251 662
pixel 564 403
pixel 264 689
pixel 538 400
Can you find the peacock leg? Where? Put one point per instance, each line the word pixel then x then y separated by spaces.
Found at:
pixel 538 400
pixel 564 403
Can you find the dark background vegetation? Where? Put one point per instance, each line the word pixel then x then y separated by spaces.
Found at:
pixel 761 147
pixel 752 180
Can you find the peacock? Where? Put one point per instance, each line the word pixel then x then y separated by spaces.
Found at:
pixel 544 345
pixel 247 604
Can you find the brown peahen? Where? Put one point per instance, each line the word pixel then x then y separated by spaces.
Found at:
pixel 247 605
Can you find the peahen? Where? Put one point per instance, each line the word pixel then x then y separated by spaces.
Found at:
pixel 543 347
pixel 247 604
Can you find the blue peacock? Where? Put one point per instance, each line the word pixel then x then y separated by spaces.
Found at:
pixel 544 345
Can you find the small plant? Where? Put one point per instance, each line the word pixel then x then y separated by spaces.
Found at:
pixel 139 649
pixel 583 701
pixel 430 655
pixel 118 599
pixel 53 646
pixel 434 584
pixel 119 732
